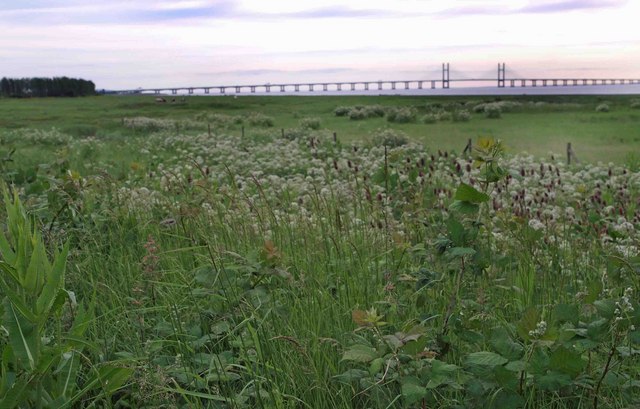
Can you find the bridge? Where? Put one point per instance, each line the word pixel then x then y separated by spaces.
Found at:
pixel 444 82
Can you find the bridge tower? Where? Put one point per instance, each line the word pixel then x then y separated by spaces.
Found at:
pixel 502 74
pixel 445 75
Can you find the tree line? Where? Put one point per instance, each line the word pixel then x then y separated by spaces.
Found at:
pixel 46 87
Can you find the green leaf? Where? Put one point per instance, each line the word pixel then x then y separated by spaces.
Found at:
pixel 468 193
pixel 412 391
pixel 16 395
pixel 552 381
pixel 566 313
pixel 566 361
pixel 456 232
pixel 360 353
pixel 113 377
pixel 17 302
pixel 528 322
pixel 38 267
pixel 504 345
pixel 24 336
pixel 464 207
pixel 460 252
pixel 605 308
pixel 53 285
pixel 351 375
pixel 485 358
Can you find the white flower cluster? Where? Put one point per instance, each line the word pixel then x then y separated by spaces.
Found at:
pixel 541 329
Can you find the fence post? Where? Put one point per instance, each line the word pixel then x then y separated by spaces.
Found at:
pixel 571 154
pixel 209 129
pixel 469 147
pixel 282 133
pixel 335 137
pixel 243 132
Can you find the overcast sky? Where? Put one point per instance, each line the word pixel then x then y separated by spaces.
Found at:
pixel 142 43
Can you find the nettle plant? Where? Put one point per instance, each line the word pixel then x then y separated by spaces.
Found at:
pixel 41 326
pixel 581 353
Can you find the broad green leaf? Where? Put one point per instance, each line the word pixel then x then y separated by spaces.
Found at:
pixel 605 308
pixel 6 251
pixel 528 322
pixel 566 313
pixel 54 283
pixel 464 207
pixel 17 302
pixel 24 336
pixel 351 375
pixel 461 252
pixel 412 391
pixel 468 193
pixel 485 358
pixel 113 377
pixel 552 381
pixel 504 345
pixel 223 376
pixel 456 232
pixel 360 353
pixel 566 361
pixel 16 395
pixel 38 267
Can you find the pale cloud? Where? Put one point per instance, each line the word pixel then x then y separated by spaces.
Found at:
pixel 135 43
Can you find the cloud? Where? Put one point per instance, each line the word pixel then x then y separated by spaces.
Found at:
pixel 560 6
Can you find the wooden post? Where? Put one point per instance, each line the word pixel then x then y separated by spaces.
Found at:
pixel 243 132
pixel 335 137
pixel 571 154
pixel 209 129
pixel 469 147
pixel 282 133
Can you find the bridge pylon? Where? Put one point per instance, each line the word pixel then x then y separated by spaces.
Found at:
pixel 502 74
pixel 445 75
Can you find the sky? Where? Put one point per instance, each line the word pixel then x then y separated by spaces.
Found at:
pixel 142 43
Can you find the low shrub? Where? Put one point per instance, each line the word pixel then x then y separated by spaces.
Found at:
pixel 461 116
pixel 603 108
pixel 390 138
pixel 310 123
pixel 401 115
pixel 342 111
pixel 258 119
pixel 429 119
pixel 635 104
pixel 492 110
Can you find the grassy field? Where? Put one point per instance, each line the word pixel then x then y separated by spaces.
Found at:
pixel 536 128
pixel 153 257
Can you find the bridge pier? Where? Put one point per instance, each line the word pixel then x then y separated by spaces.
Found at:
pixel 222 90
pixel 190 90
pixel 324 87
pixel 339 85
pixel 366 86
pixel 393 85
pixel 534 83
pixel 523 83
pixel 433 85
pixel 174 91
pixel 207 90
pixel 267 88
pixel 353 86
pixel 282 88
pixel 445 76
pixel 379 85
pixel 555 83
pixel 238 90
pixel 157 91
pixel 419 84
pixel 253 90
pixel 512 83
pixel 310 87
pixel 296 88
pixel 544 83
pixel 406 85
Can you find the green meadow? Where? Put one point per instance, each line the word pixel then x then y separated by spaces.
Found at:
pixel 537 129
pixel 320 252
